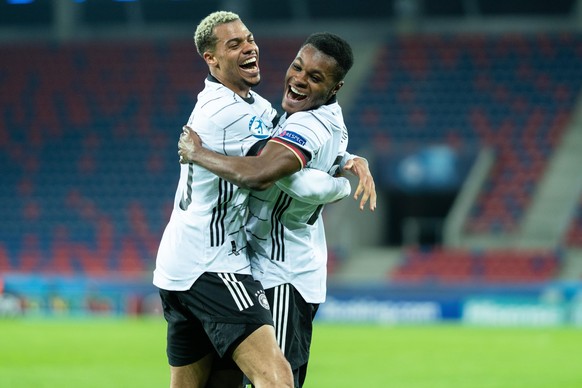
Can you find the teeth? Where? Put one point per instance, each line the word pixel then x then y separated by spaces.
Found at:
pixel 297 91
pixel 250 60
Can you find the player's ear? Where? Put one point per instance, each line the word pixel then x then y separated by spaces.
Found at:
pixel 337 87
pixel 209 58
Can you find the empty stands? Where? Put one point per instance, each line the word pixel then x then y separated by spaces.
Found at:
pixel 88 137
pixel 446 266
pixel 574 234
pixel 513 93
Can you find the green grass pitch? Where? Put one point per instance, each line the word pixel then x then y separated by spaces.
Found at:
pixel 131 353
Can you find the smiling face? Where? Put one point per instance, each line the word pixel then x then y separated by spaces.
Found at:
pixel 310 81
pixel 235 59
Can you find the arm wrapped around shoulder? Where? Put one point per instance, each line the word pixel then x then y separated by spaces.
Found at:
pixel 315 186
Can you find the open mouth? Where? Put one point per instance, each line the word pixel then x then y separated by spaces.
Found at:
pixel 250 64
pixel 295 95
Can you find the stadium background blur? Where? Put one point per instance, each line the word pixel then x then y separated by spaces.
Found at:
pixel 468 111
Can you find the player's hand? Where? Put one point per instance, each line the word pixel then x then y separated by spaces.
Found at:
pixel 188 145
pixel 366 186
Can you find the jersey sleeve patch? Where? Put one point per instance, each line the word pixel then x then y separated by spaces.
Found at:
pixel 293 137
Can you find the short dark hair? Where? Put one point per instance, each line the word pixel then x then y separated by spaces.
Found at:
pixel 334 46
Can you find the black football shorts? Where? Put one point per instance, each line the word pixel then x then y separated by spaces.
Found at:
pixel 215 315
pixel 293 318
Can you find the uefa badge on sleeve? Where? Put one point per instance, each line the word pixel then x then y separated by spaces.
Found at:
pixel 258 129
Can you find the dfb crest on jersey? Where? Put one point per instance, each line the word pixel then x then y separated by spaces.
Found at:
pixel 262 298
pixel 258 128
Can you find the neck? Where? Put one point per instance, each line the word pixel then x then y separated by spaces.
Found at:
pixel 243 92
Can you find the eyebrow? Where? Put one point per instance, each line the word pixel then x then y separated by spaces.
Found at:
pixel 238 39
pixel 233 40
pixel 314 72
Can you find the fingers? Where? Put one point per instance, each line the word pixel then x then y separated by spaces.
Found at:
pixel 367 190
pixel 371 194
pixel 359 190
pixel 349 165
pixel 364 199
pixel 186 129
pixel 372 200
pixel 185 145
pixel 366 187
pixel 183 136
pixel 189 133
pixel 181 159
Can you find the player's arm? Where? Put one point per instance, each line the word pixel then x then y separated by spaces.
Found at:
pixel 359 167
pixel 315 186
pixel 250 172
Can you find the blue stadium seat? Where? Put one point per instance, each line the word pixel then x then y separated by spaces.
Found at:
pixel 513 93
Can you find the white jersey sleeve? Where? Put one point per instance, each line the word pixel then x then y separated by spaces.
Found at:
pixel 318 138
pixel 346 158
pixel 315 187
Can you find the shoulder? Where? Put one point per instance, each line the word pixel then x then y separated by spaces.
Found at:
pixel 319 120
pixel 259 100
pixel 215 97
pixel 306 118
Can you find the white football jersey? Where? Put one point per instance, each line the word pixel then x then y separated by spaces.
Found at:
pixel 286 236
pixel 206 229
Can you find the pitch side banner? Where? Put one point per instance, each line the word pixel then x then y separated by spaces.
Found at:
pixel 513 312
pixel 367 310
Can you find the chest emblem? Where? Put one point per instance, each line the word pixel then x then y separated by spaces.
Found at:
pixel 258 128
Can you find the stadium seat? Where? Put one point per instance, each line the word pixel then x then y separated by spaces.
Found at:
pixel 513 93
pixel 101 120
pixel 461 266
pixel 574 233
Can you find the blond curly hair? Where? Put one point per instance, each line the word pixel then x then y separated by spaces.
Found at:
pixel 204 37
